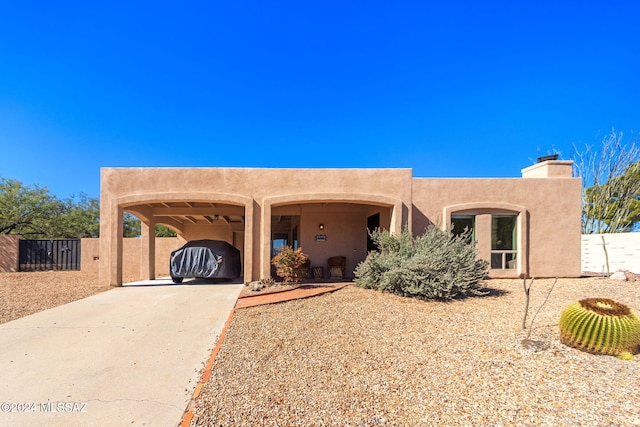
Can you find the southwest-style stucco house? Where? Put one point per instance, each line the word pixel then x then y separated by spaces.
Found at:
pixel 524 226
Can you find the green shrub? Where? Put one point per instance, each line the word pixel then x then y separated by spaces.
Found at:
pixel 436 265
pixel 290 263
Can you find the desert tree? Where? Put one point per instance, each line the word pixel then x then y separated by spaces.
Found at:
pixel 34 213
pixel 27 210
pixel 81 218
pixel 610 173
pixel 164 231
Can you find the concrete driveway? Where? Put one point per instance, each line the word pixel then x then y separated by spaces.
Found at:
pixel 130 356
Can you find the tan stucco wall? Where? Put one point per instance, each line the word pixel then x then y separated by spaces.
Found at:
pixel 9 252
pixel 132 256
pixel 257 191
pixel 552 206
pixel 90 255
pixel 547 202
pixel 345 231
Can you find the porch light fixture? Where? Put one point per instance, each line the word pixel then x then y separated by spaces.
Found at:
pixel 321 226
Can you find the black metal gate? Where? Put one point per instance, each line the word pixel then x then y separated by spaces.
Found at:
pixel 39 255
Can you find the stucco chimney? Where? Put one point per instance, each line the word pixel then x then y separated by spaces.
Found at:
pixel 549 169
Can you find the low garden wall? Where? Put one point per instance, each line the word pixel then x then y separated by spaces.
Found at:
pixel 131 256
pixel 90 255
pixel 622 252
pixel 9 252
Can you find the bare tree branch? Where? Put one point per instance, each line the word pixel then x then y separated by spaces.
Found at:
pixel 611 185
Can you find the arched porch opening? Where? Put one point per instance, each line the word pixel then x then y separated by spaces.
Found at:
pixel 193 217
pixel 325 226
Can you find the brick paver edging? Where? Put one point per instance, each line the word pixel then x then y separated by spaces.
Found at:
pixel 268 293
pixel 289 295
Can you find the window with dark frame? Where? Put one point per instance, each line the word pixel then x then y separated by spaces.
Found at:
pixel 504 237
pixel 461 224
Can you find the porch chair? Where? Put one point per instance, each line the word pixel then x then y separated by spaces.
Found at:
pixel 336 265
pixel 305 268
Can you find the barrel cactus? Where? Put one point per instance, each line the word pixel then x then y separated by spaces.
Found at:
pixel 600 326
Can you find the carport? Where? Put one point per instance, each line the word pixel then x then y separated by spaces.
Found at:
pixel 242 205
pixel 190 220
pixel 218 218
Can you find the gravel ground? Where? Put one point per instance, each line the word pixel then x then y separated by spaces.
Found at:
pixel 359 357
pixel 25 293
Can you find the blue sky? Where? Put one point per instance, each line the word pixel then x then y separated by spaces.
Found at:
pixel 450 89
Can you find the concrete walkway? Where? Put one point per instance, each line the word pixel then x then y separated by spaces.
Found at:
pixel 130 356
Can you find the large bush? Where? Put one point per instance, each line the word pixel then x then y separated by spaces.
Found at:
pixel 436 265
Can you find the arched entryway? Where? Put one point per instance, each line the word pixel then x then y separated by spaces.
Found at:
pixel 325 226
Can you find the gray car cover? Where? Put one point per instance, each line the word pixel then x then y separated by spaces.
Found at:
pixel 206 259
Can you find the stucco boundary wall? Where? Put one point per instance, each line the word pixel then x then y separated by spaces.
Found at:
pixel 9 253
pixel 132 256
pixel 623 250
pixel 90 255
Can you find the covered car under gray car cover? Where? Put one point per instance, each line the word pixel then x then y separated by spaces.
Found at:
pixel 206 259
